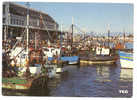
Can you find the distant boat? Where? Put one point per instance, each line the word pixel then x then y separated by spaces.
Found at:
pixel 119 46
pixel 126 59
pixel 50 52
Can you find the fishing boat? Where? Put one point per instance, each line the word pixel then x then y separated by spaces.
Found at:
pixel 52 52
pixel 125 54
pixel 23 78
pixel 23 84
pixel 126 59
pixel 99 55
pixel 54 66
pixel 72 58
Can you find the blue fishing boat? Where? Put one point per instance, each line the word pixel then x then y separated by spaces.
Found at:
pixel 126 59
pixel 71 59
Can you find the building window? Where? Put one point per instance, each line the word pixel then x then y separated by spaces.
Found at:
pixel 11 21
pixel 14 21
pixel 22 22
pixel 3 9
pixel 4 20
pixel 17 21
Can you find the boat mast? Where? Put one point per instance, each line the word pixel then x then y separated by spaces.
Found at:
pixel 35 41
pixel 72 32
pixel 108 33
pixel 61 38
pixel 27 4
pixel 124 35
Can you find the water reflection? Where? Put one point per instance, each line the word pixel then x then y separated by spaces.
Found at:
pixel 103 72
pixel 106 72
pixel 126 75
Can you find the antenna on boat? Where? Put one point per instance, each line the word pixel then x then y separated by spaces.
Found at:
pixel 45 26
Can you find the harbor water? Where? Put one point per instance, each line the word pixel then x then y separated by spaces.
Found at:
pixel 95 81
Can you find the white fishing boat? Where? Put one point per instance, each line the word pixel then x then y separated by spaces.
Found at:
pixel 126 59
pixel 50 51
pixel 102 51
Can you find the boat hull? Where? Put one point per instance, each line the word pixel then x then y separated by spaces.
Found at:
pixel 98 60
pixel 126 59
pixel 126 63
pixel 73 62
pixel 16 86
pixel 71 59
pixel 16 83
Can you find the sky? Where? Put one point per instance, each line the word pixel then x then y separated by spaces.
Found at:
pixel 95 17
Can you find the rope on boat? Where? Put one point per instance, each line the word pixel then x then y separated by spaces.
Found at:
pixel 45 26
pixel 19 40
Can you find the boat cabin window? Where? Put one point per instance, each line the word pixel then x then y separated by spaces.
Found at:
pixel 35 65
pixel 45 49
